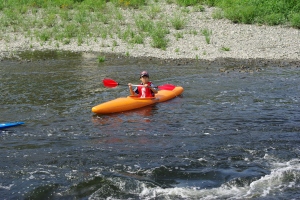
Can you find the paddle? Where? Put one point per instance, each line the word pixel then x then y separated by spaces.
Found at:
pixel 107 82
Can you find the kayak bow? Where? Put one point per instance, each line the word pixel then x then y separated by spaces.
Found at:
pixel 10 124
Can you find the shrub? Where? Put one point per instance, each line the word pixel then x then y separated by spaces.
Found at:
pixel 295 20
pixel 101 59
pixel 178 22
pixel 187 2
pixel 274 19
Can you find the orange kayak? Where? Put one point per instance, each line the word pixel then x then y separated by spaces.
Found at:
pixel 129 103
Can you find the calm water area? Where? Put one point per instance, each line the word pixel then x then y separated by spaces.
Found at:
pixel 228 136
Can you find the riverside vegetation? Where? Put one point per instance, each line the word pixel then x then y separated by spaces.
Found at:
pixel 60 21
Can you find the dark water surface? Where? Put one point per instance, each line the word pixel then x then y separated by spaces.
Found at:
pixel 229 136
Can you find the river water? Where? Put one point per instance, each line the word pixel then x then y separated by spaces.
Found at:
pixel 229 136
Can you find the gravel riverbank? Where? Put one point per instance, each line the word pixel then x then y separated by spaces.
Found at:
pixel 226 41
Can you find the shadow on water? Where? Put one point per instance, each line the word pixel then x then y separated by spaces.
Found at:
pixel 233 134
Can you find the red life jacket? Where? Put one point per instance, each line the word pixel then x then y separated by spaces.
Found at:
pixel 145 92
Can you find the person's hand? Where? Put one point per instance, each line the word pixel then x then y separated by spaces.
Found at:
pixel 146 85
pixel 130 85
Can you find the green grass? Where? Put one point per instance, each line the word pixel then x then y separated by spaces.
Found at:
pixel 178 35
pixel 101 59
pixel 187 2
pixel 153 11
pixel 225 48
pixel 270 12
pixel 295 20
pixel 207 34
pixel 156 30
pixel 144 24
pixel 178 22
pixel 61 22
pixel 158 35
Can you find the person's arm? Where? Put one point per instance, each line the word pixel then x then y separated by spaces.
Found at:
pixel 131 90
pixel 152 88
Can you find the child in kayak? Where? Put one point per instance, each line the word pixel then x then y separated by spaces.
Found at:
pixel 146 89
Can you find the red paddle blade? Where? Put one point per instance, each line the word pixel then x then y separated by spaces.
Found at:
pixel 107 82
pixel 166 87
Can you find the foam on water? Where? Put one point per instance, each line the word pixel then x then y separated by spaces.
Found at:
pixel 283 176
pixel 6 187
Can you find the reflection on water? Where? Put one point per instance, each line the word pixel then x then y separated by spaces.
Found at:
pixel 134 116
pixel 229 136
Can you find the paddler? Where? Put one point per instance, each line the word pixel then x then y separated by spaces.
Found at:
pixel 146 89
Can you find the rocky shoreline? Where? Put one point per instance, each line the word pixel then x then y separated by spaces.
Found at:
pixel 229 43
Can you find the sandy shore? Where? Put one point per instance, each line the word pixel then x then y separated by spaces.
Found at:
pixel 240 41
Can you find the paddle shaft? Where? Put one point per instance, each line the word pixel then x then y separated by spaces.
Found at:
pixel 107 82
pixel 135 85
